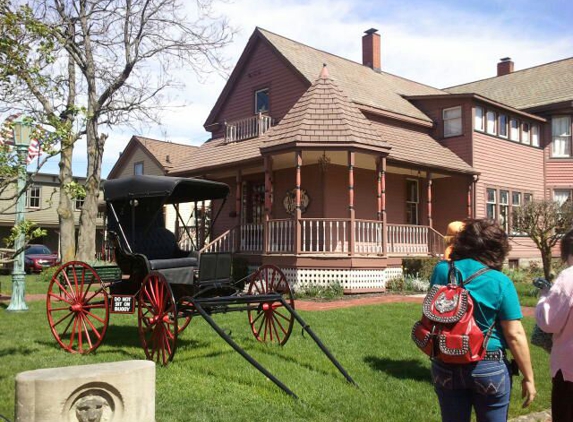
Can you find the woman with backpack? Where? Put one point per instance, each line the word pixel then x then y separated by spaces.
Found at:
pixel 554 314
pixel 485 385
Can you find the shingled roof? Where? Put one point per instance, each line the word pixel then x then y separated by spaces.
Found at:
pixel 528 88
pixel 167 155
pixel 324 114
pixel 378 90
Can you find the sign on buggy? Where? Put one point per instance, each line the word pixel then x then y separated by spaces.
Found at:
pixel 122 304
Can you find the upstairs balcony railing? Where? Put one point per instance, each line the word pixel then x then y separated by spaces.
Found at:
pixel 250 127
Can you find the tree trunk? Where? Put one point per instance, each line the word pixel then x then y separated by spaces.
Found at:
pixel 66 206
pixel 88 216
pixel 546 258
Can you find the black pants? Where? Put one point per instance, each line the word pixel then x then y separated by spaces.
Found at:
pixel 561 399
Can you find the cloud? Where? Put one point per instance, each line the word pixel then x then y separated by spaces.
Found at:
pixel 437 43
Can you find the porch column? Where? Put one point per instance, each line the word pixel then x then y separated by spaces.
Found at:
pixel 351 211
pixel 472 196
pixel 298 233
pixel 203 223
pixel 268 201
pixel 238 210
pixel 430 219
pixel 383 197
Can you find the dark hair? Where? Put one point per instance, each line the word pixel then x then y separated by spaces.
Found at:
pixel 483 240
pixel 567 245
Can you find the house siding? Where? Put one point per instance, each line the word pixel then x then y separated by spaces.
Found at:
pixel 449 201
pixel 461 145
pixel 264 69
pixel 150 167
pixel 507 165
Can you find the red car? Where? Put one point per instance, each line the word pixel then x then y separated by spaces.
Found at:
pixel 38 257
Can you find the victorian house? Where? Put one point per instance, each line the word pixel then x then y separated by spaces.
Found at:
pixel 339 170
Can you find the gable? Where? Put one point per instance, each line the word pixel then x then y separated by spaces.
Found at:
pixel 135 153
pixel 259 67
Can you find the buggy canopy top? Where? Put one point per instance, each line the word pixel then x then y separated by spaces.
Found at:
pixel 174 189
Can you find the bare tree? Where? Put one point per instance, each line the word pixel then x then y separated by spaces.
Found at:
pixel 81 65
pixel 545 222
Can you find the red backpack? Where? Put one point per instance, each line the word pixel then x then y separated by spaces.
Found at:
pixel 448 330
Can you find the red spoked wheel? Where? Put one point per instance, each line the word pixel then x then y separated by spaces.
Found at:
pixel 270 321
pixel 157 313
pixel 78 307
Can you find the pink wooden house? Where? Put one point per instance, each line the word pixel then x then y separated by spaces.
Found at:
pixel 339 170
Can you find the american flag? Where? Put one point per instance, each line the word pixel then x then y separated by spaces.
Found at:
pixel 7 137
pixel 33 150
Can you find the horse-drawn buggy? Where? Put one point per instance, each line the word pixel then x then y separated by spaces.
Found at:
pixel 164 285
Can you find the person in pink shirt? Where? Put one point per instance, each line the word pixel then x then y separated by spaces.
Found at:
pixel 554 314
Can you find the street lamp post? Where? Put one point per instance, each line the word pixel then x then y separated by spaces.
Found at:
pixel 22 131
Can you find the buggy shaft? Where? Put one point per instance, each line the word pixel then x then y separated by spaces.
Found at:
pixel 240 350
pixel 318 342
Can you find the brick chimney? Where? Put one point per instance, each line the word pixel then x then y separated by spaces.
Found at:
pixel 371 49
pixel 504 67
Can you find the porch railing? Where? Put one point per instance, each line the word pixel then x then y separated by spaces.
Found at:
pixel 280 236
pixel 224 243
pixel 368 237
pixel 330 236
pixel 406 239
pixel 251 237
pixel 247 128
pixel 325 235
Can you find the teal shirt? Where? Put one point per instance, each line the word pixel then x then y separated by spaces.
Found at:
pixel 493 294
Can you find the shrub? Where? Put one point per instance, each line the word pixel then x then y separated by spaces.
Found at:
pixel 407 283
pixel 312 291
pixel 416 284
pixel 47 273
pixel 419 267
pixel 396 284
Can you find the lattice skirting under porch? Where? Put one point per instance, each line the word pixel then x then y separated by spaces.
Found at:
pixel 350 279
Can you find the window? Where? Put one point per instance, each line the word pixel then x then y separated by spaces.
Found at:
pixel 535 135
pixel 478 124
pixel 491 203
pixel 79 203
pixel 514 130
pixel 525 134
pixel 504 209
pixel 490 119
pixel 262 101
pixel 527 197
pixel 138 168
pixel 412 200
pixel 561 136
pixel 33 197
pixel 561 195
pixel 502 126
pixel 515 203
pixel 452 121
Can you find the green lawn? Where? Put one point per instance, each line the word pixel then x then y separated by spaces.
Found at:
pixel 208 381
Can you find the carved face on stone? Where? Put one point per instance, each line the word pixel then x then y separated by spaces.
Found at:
pixel 90 409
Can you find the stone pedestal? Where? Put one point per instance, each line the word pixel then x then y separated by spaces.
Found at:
pixel 106 392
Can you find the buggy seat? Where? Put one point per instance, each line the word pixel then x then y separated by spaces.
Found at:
pixel 161 250
pixel 156 251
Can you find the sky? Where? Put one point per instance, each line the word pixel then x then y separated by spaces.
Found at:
pixel 438 43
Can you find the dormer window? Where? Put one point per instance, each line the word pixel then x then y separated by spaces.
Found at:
pixel 262 101
pixel 452 121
